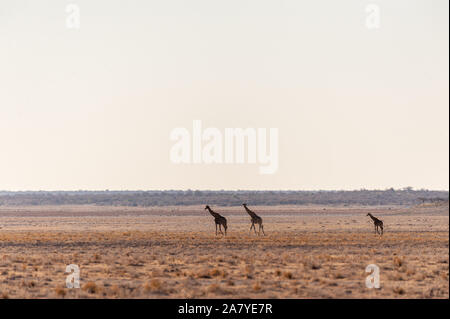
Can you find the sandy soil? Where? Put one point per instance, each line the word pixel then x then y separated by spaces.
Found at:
pixel 308 252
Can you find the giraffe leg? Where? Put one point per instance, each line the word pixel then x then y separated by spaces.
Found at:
pixel 220 229
pixel 216 229
pixel 254 227
pixel 381 227
pixel 262 228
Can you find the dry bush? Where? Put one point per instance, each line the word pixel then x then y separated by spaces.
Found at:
pixel 420 277
pixel 247 270
pixel 288 275
pixel 61 292
pixel 217 289
pixel 315 266
pixel 154 286
pixel 115 290
pixel 339 276
pixel 398 262
pixel 399 291
pixel 204 273
pixel 257 287
pixel 410 272
pixel 90 287
pixel 28 284
pixel 230 282
pixel 216 272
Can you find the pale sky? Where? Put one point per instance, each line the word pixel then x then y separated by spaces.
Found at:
pixel 92 108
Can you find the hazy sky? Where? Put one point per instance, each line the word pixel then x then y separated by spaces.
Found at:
pixel 93 108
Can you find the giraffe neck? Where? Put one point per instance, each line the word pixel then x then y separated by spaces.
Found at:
pixel 252 214
pixel 214 214
pixel 373 218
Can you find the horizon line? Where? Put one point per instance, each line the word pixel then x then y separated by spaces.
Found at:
pixel 225 190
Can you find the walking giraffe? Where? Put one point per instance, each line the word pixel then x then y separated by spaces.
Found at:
pixel 377 223
pixel 218 219
pixel 255 220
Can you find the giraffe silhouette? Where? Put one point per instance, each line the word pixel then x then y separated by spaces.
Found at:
pixel 255 220
pixel 377 223
pixel 218 219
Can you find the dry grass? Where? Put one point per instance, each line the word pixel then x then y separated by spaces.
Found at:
pixel 152 256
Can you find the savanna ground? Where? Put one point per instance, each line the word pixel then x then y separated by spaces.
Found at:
pixel 308 252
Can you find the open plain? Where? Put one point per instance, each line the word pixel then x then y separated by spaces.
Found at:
pixel 172 252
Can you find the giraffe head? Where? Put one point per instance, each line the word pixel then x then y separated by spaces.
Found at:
pixel 207 207
pixel 245 205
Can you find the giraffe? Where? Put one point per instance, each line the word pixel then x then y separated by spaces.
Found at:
pixel 255 220
pixel 218 219
pixel 377 223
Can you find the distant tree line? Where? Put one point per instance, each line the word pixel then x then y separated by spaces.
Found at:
pixel 433 200
pixel 405 196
